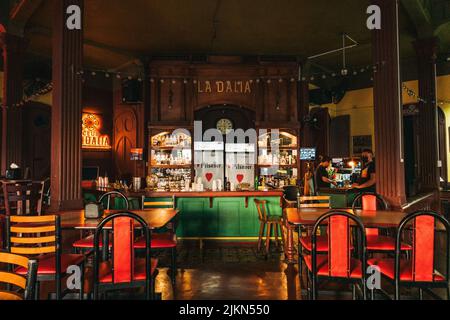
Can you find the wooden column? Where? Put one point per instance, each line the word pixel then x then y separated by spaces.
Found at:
pixel 13 59
pixel 66 110
pixel 390 172
pixel 428 139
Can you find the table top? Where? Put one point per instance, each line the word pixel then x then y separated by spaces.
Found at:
pixel 381 218
pixel 155 218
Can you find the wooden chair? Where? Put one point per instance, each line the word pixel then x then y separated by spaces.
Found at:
pixel 20 287
pixel 166 240
pixel 123 270
pixel 268 223
pixel 338 263
pixel 314 202
pixel 22 198
pixel 421 271
pixel 40 237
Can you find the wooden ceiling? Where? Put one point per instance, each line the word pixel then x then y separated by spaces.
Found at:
pixel 118 31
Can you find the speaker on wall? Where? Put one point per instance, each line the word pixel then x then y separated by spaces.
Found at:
pixel 131 91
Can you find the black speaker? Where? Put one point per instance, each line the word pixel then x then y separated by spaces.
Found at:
pixel 131 91
pixel 320 96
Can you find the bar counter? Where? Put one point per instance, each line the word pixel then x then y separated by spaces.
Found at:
pixel 210 215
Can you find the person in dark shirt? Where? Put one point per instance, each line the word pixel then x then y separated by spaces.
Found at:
pixel 322 179
pixel 366 181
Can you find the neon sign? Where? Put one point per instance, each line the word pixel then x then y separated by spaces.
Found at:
pixel 90 131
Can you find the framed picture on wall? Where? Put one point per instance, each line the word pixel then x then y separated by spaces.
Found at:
pixel 360 143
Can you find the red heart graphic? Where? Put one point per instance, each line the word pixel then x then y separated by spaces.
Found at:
pixel 240 177
pixel 209 176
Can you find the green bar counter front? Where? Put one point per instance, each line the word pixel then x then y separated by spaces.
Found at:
pixel 213 215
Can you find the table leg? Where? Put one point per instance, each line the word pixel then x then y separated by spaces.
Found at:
pixel 289 247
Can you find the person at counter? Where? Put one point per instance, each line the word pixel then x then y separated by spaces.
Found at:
pixel 322 179
pixel 366 181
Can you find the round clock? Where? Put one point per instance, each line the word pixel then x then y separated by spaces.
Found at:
pixel 224 126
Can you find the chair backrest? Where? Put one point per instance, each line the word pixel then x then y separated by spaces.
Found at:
pixel 152 203
pixel 21 287
pixel 423 236
pixel 314 202
pixel 39 186
pixel 122 247
pixel 370 201
pixel 34 235
pixel 291 193
pixel 113 195
pixel 341 224
pixel 46 192
pixel 22 197
pixel 261 207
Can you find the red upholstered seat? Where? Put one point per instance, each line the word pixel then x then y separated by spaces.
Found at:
pixel 322 243
pixel 383 243
pixel 139 270
pixel 88 243
pixel 387 268
pixel 323 268
pixel 47 263
pixel 159 241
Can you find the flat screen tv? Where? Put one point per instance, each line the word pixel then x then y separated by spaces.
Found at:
pixel 90 173
pixel 308 154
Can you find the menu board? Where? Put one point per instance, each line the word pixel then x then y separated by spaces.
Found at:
pixel 308 154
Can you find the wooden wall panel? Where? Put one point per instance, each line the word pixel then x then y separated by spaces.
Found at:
pixel 188 87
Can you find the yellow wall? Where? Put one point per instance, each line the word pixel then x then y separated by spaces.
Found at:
pixel 443 92
pixel 359 105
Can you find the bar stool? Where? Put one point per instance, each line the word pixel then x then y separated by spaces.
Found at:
pixel 267 222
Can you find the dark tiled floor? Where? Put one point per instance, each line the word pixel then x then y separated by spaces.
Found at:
pixel 223 271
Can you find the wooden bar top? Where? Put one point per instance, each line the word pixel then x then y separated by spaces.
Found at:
pixel 191 194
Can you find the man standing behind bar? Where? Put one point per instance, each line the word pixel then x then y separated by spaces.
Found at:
pixel 366 181
pixel 322 179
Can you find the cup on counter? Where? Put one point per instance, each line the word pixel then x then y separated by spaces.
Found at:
pixel 137 183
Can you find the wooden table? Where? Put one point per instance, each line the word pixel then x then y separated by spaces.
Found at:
pixel 308 217
pixel 155 218
pixel 74 219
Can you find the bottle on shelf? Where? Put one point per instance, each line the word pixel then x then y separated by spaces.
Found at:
pixel 227 185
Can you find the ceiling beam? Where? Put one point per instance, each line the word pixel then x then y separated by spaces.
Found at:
pixel 42 31
pixel 420 16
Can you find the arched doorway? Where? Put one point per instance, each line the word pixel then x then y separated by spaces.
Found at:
pixel 37 139
pixel 214 163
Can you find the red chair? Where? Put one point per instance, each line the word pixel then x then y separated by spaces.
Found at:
pixel 123 270
pixel 375 241
pixel 305 242
pixel 420 271
pixel 166 240
pixel 87 243
pixel 40 237
pixel 340 262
